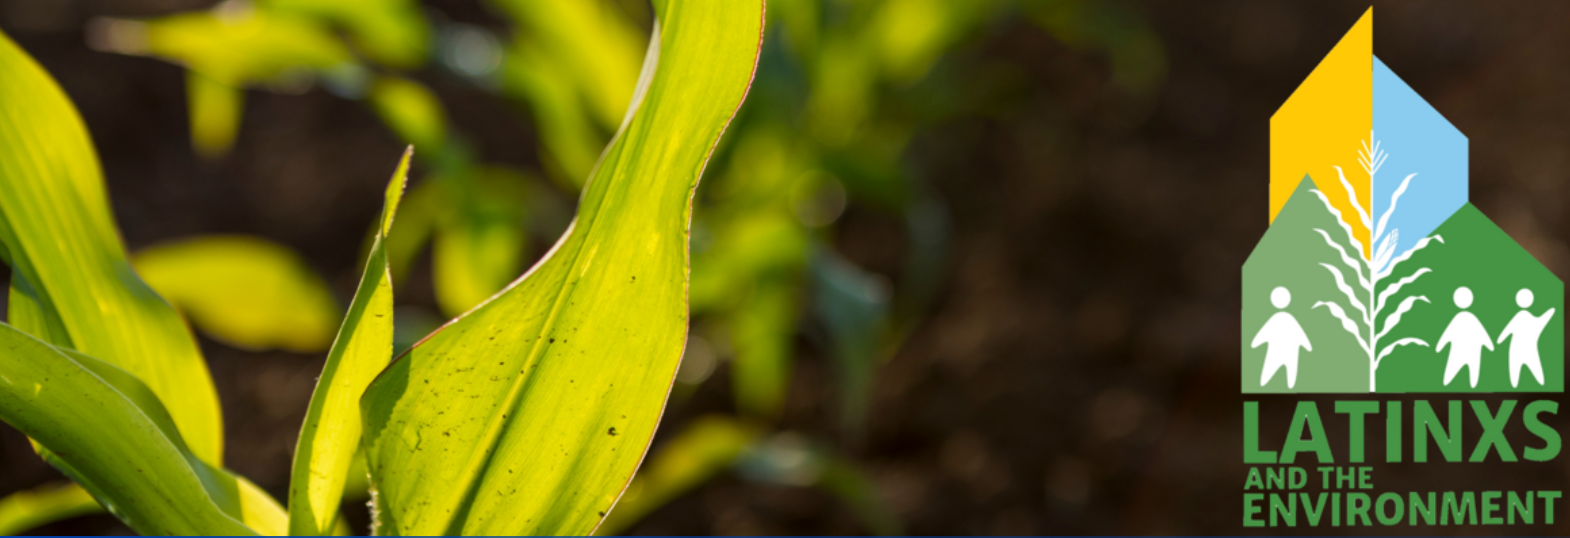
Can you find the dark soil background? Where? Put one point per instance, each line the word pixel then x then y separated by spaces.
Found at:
pixel 1077 372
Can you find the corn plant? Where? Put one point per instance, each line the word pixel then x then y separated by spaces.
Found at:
pixel 1372 268
pixel 528 414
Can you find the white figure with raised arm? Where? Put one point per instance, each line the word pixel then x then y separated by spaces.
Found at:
pixel 1282 337
pixel 1526 329
pixel 1466 337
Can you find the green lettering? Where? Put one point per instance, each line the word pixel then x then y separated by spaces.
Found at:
pixel 1543 431
pixel 1523 508
pixel 1287 510
pixel 1425 422
pixel 1548 505
pixel 1355 412
pixel 1306 414
pixel 1393 432
pixel 1379 509
pixel 1253 481
pixel 1493 430
pixel 1491 505
pixel 1421 508
pixel 1251 508
pixel 1335 509
pixel 1314 510
pixel 1276 478
pixel 1465 511
pixel 1357 505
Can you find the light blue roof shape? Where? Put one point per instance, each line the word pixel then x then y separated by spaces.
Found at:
pixel 1410 137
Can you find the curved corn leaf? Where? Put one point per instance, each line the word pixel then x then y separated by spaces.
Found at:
pixel 91 417
pixel 235 496
pixel 331 432
pixel 708 446
pixel 246 291
pixel 530 413
pixel 25 510
pixel 70 283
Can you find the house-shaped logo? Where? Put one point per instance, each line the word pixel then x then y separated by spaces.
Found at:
pixel 1377 274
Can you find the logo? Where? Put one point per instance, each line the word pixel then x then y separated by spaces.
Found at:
pixel 1376 277
pixel 1377 274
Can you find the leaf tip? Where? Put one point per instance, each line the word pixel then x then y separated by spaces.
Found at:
pixel 395 188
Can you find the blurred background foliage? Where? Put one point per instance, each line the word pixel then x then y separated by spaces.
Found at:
pixel 843 89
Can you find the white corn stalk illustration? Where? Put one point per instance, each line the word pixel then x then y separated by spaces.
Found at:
pixel 1370 300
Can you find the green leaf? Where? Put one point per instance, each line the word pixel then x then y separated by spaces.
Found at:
pixel 710 445
pixel 246 291
pixel 215 114
pixel 568 133
pixel 106 430
pixel 530 413
pixel 234 495
pixel 479 246
pixel 393 32
pixel 234 47
pixel 71 284
pixel 331 431
pixel 411 110
pixel 597 48
pixel 28 509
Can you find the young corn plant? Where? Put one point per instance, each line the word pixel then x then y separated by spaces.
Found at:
pixel 527 415
pixel 1371 269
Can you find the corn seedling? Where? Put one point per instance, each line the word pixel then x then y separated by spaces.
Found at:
pixel 526 415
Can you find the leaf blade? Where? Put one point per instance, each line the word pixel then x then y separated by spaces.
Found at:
pixel 104 436
pixel 542 435
pixel 71 282
pixel 331 431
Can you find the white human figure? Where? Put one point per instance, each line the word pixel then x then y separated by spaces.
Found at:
pixel 1282 336
pixel 1526 328
pixel 1466 337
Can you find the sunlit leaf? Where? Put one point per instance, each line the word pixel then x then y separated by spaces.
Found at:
pixel 244 290
pixel 331 432
pixel 910 35
pixel 533 410
pixel 751 275
pixel 234 47
pixel 694 455
pixel 215 114
pixel 479 246
pixel 411 110
pixel 568 132
pixel 422 207
pixel 46 504
pixel 71 284
pixel 599 47
pixel 106 430
pixel 392 32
